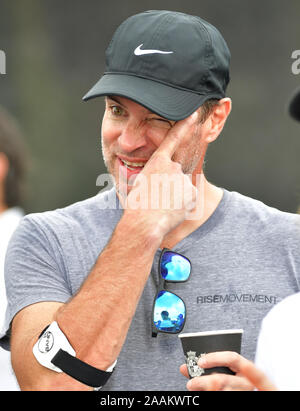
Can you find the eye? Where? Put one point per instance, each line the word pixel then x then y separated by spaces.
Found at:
pixel 161 122
pixel 117 111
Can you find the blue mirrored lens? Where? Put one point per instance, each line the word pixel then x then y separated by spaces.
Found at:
pixel 175 267
pixel 169 312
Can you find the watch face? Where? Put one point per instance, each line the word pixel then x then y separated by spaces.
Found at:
pixel 46 342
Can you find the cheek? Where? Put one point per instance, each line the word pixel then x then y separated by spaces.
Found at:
pixel 188 154
pixel 109 132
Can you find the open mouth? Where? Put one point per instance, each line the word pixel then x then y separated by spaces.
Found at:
pixel 131 165
pixel 129 170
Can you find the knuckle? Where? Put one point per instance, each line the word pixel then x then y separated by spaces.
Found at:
pixel 177 166
pixel 235 360
pixel 198 384
pixel 155 156
pixel 157 159
pixel 175 134
pixel 218 382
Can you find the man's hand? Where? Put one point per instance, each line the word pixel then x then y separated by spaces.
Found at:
pixel 170 194
pixel 247 378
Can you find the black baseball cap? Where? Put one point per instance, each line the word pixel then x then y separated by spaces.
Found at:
pixel 294 106
pixel 167 61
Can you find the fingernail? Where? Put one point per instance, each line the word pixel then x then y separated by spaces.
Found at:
pixel 202 361
pixel 189 384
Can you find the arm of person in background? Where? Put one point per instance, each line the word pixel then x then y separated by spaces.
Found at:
pixel 97 318
pixel 247 376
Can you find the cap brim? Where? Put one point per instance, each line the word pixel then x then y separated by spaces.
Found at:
pixel 166 101
pixel 294 106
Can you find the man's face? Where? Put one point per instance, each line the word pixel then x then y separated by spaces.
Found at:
pixel 131 134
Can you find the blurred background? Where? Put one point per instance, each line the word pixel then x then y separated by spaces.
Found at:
pixel 55 53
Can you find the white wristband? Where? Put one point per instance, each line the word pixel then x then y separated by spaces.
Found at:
pixel 49 343
pixel 51 340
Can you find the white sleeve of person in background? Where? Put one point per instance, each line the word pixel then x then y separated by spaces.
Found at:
pixel 278 348
pixel 9 221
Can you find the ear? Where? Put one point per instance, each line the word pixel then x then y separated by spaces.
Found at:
pixel 217 119
pixel 4 167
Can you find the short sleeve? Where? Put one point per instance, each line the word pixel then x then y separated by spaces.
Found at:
pixel 34 269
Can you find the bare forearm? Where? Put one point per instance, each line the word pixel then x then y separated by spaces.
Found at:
pixel 97 319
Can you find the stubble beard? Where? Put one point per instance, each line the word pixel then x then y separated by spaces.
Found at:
pixel 190 159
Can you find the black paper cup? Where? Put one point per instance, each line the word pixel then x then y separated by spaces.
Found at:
pixel 200 343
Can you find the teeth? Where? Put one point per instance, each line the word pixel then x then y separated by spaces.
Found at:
pixel 129 163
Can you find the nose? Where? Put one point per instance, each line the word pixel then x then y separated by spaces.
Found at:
pixel 132 137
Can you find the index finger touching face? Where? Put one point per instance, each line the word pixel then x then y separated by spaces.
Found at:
pixel 177 133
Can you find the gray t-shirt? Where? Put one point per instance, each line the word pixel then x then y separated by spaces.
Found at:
pixel 245 258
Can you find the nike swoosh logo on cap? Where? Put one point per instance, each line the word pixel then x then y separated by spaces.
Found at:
pixel 139 52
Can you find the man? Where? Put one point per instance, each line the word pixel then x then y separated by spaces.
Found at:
pixel 277 356
pixel 91 272
pixel 12 171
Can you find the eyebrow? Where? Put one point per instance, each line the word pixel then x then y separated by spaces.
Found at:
pixel 115 99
